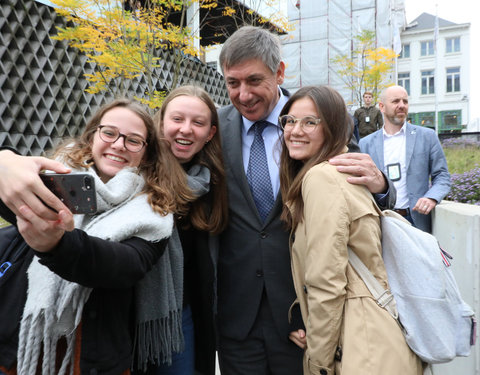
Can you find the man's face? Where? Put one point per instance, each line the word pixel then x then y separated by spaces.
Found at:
pixel 253 88
pixel 367 99
pixel 394 105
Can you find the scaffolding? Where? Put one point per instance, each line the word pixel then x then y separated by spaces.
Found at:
pixel 324 29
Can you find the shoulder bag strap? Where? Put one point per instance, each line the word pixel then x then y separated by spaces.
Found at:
pixel 382 296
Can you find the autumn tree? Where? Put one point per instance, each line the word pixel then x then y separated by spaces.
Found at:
pixel 122 40
pixel 366 68
pixel 122 37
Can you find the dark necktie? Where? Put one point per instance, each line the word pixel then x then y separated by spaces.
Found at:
pixel 258 175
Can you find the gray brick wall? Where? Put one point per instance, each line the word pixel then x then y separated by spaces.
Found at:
pixel 42 97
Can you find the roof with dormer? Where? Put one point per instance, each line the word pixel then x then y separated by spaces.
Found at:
pixel 426 21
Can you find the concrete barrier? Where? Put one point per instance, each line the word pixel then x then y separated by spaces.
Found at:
pixel 457 228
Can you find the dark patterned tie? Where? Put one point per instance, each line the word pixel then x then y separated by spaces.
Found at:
pixel 258 175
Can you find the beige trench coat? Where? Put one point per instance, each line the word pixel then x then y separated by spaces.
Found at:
pixel 337 308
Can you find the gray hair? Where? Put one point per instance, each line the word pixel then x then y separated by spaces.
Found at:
pixel 250 42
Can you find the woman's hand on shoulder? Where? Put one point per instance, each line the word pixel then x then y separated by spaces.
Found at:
pixel 20 184
pixel 40 234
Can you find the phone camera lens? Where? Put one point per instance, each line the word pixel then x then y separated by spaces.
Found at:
pixel 87 183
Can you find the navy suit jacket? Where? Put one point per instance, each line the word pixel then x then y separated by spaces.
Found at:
pixel 426 166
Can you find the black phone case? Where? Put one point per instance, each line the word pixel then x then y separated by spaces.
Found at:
pixel 75 190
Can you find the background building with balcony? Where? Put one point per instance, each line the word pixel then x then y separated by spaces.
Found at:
pixel 436 75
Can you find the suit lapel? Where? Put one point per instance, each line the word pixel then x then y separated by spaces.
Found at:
pixel 377 152
pixel 277 206
pixel 233 152
pixel 410 137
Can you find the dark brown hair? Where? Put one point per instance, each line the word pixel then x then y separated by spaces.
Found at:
pixel 337 130
pixel 209 212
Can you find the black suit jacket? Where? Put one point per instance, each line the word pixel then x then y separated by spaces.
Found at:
pixel 253 256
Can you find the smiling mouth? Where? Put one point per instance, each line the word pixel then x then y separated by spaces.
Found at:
pixel 301 143
pixel 116 158
pixel 183 142
pixel 249 106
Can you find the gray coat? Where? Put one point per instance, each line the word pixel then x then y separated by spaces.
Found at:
pixel 427 172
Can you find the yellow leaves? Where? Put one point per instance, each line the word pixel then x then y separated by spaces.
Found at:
pixel 228 11
pixel 381 54
pixel 208 4
pixel 122 43
pixel 367 67
pixel 154 100
pixel 262 20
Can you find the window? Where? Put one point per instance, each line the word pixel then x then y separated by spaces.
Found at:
pixel 404 81
pixel 453 45
pixel 427 119
pixel 453 79
pixel 405 54
pixel 426 48
pixel 450 121
pixel 428 82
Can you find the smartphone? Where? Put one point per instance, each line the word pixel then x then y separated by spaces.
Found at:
pixel 75 190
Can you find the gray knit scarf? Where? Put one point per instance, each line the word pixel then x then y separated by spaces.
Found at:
pixel 159 295
pixel 54 306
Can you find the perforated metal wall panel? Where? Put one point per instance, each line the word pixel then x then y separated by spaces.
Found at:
pixel 42 88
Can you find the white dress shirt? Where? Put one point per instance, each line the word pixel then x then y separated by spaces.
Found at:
pixel 394 151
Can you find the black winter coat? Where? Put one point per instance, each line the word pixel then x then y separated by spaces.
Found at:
pixel 111 269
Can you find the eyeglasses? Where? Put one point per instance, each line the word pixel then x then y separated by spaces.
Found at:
pixel 308 124
pixel 110 134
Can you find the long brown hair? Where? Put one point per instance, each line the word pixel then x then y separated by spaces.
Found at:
pixel 209 212
pixel 159 167
pixel 337 131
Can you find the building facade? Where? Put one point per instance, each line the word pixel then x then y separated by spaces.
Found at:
pixel 323 30
pixel 434 68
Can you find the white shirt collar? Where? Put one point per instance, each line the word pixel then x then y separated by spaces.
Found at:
pixel 402 131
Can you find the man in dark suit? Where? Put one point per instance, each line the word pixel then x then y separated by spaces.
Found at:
pixel 255 287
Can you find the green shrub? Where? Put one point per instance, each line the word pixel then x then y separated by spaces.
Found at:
pixel 463 159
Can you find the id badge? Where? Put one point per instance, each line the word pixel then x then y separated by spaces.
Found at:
pixel 367 118
pixel 393 172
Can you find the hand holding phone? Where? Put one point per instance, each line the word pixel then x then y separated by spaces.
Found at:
pixel 75 190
